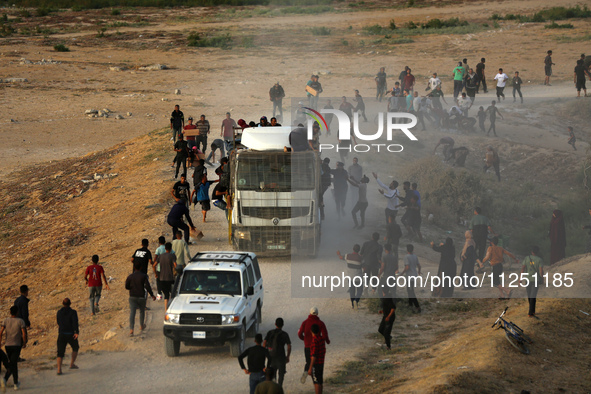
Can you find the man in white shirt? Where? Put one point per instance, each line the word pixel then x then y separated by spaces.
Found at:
pixel 501 79
pixel 181 250
pixel 464 103
pixel 391 193
pixel 434 81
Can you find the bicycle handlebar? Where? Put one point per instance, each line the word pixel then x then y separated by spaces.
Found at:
pixel 500 317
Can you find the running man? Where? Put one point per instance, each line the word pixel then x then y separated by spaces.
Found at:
pixel 501 79
pixel 516 83
pixel 492 111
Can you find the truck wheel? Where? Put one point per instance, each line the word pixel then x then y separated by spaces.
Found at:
pixel 172 347
pixel 237 345
pixel 254 328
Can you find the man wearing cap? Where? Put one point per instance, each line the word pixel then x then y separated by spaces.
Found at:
pixel 227 132
pixel 314 84
pixel 203 126
pixel 305 334
pixel 263 122
pixel 276 94
pixel 190 138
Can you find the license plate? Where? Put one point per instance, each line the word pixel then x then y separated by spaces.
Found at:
pixel 275 247
pixel 198 334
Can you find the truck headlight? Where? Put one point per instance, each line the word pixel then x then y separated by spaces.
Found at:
pixel 172 318
pixel 245 235
pixel 230 319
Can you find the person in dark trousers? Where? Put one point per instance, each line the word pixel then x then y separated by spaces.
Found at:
pixel 181 189
pixel 67 321
pixel 16 339
pixel 269 386
pixel 572 139
pixel 258 360
pixel 481 118
pixel 355 268
pixel 580 77
pixel 388 268
pixel 177 122
pixel 381 85
pixel 393 234
pixel 492 111
pixel 182 153
pixel 175 219
pixel 388 317
pixel 22 303
pixel 94 277
pixel 481 75
pixel 516 83
pixel 532 265
pixel 447 267
pixel 362 203
pixel 360 104
pixel 325 182
pixel 137 284
pixel 276 94
pixel 305 334
pixel 339 180
pixel 275 341
pixel 548 68
pixel 480 226
pixel 317 354
pixel 167 262
pixel 371 251
pixel 412 269
pixel 143 257
pixel 491 159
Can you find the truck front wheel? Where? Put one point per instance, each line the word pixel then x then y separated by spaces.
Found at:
pixel 172 347
pixel 237 345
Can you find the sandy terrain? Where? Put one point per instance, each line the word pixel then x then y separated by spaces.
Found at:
pixel 48 243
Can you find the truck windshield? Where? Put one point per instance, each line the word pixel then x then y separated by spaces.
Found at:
pixel 278 171
pixel 211 282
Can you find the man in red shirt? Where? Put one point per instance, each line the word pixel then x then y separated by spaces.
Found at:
pixel 305 334
pixel 409 81
pixel 317 352
pixel 190 138
pixel 94 276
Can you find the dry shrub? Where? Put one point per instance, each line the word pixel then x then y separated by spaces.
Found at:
pixel 447 193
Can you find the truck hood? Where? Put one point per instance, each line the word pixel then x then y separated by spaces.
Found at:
pixel 214 304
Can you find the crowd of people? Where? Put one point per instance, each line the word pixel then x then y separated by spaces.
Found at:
pixel 267 360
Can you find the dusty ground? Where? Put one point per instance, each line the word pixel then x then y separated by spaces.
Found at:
pixel 54 222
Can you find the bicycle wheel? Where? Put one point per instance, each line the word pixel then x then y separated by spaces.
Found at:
pixel 522 347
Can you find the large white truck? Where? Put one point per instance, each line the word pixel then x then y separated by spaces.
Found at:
pixel 274 194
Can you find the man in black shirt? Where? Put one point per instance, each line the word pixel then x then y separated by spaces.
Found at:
pixel 143 257
pixel 177 122
pixel 182 190
pixel 298 139
pixel 67 321
pixel 275 342
pixel 182 153
pixel 276 94
pixel 257 355
pixel 480 72
pixel 371 251
pixel 548 68
pixel 22 303
pixel 219 191
pixel 137 284
pixel 175 219
pixel 388 317
pixel 580 77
